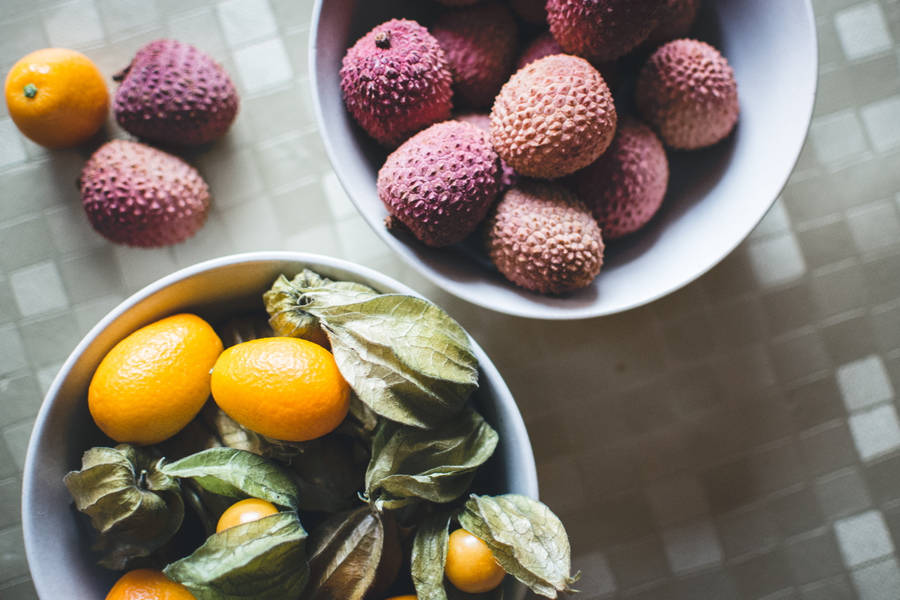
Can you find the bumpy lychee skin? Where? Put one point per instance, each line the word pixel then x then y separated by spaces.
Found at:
pixel 531 11
pixel 553 117
pixel 396 81
pixel 441 182
pixel 688 93
pixel 137 195
pixel 543 238
pixel 602 30
pixel 173 93
pixel 480 43
pixel 482 121
pixel 625 187
pixel 675 21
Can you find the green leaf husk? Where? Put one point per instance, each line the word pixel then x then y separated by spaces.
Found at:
pixel 435 465
pixel 237 474
pixel 429 555
pixel 526 538
pixel 404 357
pixel 135 508
pixel 344 555
pixel 263 559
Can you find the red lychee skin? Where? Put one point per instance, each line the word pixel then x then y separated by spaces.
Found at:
pixel 173 93
pixel 625 187
pixel 137 195
pixel 602 30
pixel 441 182
pixel 687 92
pixel 553 117
pixel 531 11
pixel 482 121
pixel 396 81
pixel 541 237
pixel 675 21
pixel 480 43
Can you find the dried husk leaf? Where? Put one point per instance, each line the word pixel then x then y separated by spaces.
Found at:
pixel 345 552
pixel 286 297
pixel 134 507
pixel 237 474
pixel 263 559
pixel 404 357
pixel 526 538
pixel 429 555
pixel 437 465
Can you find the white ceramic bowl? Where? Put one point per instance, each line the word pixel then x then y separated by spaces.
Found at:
pixel 61 563
pixel 716 196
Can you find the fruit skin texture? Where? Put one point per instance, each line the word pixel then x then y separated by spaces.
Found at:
pixel 69 100
pixel 245 511
pixel 482 121
pixel 471 566
pixel 602 30
pixel 687 92
pixel 153 382
pixel 543 238
pixel 480 43
pixel 148 584
pixel 553 117
pixel 396 81
pixel 625 187
pixel 284 388
pixel 140 196
pixel 441 182
pixel 675 21
pixel 173 93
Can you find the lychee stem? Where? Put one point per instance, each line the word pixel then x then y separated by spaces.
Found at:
pixel 383 39
pixel 30 90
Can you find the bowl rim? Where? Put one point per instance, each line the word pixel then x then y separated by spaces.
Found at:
pixel 529 481
pixel 536 311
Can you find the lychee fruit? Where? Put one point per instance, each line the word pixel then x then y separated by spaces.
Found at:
pixel 530 11
pixel 625 187
pixel 602 30
pixel 543 238
pixel 396 81
pixel 480 43
pixel 174 93
pixel 687 92
pixel 553 117
pixel 441 182
pixel 675 21
pixel 482 121
pixel 137 195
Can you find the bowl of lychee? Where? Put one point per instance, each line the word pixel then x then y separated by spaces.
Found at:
pixel 564 159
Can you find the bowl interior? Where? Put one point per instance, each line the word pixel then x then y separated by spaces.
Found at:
pixel 716 196
pixel 58 554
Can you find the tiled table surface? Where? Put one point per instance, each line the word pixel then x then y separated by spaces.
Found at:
pixel 739 439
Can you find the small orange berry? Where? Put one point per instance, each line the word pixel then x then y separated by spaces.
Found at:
pixel 251 509
pixel 471 566
pixel 148 584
